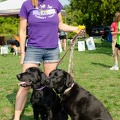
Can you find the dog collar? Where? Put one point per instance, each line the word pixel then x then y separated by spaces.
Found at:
pixel 42 87
pixel 68 89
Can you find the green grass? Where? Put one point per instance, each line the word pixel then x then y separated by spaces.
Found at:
pixel 91 71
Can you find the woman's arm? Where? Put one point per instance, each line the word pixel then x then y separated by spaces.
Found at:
pixel 22 34
pixel 23 25
pixel 115 32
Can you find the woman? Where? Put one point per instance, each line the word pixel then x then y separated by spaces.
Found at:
pixel 114 36
pixel 116 48
pixel 43 18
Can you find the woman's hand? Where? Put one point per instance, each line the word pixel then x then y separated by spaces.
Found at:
pixel 80 29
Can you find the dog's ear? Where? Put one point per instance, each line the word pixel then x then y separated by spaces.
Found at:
pixel 68 79
pixel 41 76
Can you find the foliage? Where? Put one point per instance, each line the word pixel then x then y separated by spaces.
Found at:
pixel 91 71
pixel 9 25
pixel 92 12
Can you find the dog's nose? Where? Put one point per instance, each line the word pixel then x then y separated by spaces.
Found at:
pixel 18 76
pixel 47 82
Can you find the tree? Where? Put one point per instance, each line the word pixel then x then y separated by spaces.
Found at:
pixel 9 25
pixel 93 12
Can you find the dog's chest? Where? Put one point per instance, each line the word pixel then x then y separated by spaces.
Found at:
pixel 38 96
pixel 66 101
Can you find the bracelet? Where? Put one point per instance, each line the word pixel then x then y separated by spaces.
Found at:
pixel 22 53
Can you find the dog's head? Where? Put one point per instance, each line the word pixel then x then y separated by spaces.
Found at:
pixel 33 76
pixel 59 80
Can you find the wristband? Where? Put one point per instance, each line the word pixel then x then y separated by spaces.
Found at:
pixel 82 27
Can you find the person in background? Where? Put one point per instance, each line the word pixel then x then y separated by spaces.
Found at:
pixel 115 32
pixel 114 29
pixel 43 18
pixel 59 44
pixel 62 36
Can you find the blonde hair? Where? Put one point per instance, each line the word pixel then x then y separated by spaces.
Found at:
pixel 118 18
pixel 117 13
pixel 35 3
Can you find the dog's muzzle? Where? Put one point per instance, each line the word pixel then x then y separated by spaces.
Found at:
pixel 47 82
pixel 25 84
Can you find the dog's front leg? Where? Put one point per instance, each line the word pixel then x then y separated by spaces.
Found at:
pixel 50 115
pixel 36 114
pixel 75 117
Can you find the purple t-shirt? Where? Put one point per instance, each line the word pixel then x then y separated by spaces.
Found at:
pixel 42 23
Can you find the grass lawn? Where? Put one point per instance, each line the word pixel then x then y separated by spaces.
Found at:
pixel 91 71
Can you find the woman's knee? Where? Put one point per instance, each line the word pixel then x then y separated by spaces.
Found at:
pixel 113 41
pixel 27 65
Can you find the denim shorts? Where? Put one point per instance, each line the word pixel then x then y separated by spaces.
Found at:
pixel 39 55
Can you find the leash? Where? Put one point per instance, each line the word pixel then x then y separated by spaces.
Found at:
pixel 72 43
pixel 70 66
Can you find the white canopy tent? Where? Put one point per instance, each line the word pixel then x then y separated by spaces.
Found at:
pixel 12 7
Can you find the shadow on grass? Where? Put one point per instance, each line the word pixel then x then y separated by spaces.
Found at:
pixel 100 64
pixel 23 117
pixel 11 97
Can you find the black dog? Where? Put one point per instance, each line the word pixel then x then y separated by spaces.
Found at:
pixel 78 103
pixel 44 100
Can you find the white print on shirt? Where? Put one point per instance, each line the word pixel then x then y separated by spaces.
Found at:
pixel 42 6
pixel 44 11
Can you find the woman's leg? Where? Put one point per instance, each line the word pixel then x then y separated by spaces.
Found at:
pixel 64 44
pixel 21 96
pixel 51 59
pixel 48 67
pixel 116 56
pixel 113 44
pixel 61 41
pixel 115 67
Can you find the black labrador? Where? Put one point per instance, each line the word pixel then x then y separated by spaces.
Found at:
pixel 78 102
pixel 44 100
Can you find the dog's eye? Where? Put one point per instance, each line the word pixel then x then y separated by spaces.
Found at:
pixel 28 71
